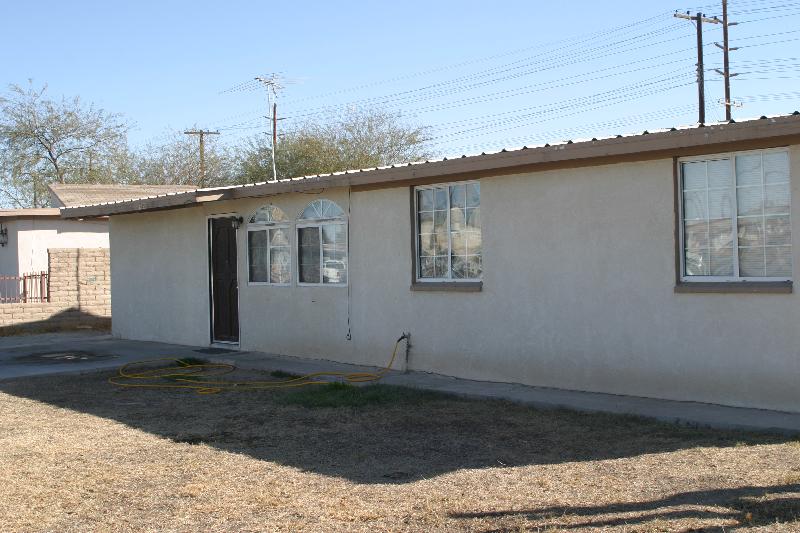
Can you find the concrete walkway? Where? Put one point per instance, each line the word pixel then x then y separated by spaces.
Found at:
pixel 58 353
pixel 83 352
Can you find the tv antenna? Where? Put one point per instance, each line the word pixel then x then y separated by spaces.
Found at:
pixel 273 83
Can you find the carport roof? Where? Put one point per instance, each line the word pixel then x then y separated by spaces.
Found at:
pixel 73 194
pixel 673 142
pixel 12 214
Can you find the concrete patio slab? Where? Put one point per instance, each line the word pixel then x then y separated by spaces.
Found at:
pixel 19 356
pixel 57 353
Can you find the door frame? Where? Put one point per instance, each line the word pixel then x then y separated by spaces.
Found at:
pixel 209 243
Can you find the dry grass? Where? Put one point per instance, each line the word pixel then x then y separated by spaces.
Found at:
pixel 77 454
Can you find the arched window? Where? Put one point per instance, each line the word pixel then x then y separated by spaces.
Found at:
pixel 321 209
pixel 268 214
pixel 322 244
pixel 268 247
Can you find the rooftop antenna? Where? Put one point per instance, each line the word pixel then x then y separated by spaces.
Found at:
pixel 273 84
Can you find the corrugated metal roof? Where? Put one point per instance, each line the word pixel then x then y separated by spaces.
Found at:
pixel 490 158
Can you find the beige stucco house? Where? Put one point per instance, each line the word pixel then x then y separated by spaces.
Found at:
pixel 659 264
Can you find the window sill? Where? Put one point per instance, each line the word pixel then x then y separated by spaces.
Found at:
pixel 447 286
pixel 740 287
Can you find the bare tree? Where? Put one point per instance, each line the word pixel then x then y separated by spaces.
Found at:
pixel 44 141
pixel 176 161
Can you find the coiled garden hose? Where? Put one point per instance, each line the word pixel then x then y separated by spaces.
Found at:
pixel 201 377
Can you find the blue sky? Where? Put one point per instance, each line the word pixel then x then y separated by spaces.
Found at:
pixel 479 75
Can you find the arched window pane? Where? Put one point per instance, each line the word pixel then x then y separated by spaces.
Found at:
pixel 268 214
pixel 321 209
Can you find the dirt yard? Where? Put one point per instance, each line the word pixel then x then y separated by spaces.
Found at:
pixel 78 454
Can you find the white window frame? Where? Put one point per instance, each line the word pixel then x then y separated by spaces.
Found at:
pixel 266 226
pixel 731 157
pixel 318 223
pixel 417 277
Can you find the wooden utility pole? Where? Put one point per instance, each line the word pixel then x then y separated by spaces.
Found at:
pixel 701 79
pixel 202 134
pixel 726 69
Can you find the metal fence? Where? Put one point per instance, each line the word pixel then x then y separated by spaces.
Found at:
pixel 27 288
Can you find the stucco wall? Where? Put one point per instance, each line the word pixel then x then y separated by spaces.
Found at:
pixel 159 267
pixel 34 236
pixel 9 260
pixel 578 293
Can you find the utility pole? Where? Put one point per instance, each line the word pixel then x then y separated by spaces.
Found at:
pixel 701 79
pixel 202 134
pixel 726 70
pixel 272 85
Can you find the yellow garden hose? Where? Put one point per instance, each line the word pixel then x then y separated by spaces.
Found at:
pixel 200 377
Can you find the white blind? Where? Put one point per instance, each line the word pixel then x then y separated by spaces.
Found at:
pixel 708 222
pixel 764 226
pixel 749 192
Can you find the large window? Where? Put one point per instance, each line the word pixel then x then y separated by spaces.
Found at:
pixel 735 217
pixel 268 248
pixel 449 245
pixel 322 244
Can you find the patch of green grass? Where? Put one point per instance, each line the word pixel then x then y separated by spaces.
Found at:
pixel 346 395
pixel 280 374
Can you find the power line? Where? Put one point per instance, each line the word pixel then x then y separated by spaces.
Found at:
pixel 515 65
pixel 593 128
pixel 388 101
pixel 580 106
pixel 613 71
pixel 577 40
pixel 441 89
pixel 438 96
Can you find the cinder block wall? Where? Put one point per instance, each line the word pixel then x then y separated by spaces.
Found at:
pixel 80 295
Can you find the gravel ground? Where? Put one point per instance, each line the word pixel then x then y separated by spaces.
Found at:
pixel 78 454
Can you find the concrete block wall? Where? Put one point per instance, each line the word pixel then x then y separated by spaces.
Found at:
pixel 80 295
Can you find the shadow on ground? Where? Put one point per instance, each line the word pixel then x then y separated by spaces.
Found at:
pixel 401 436
pixel 70 319
pixel 747 506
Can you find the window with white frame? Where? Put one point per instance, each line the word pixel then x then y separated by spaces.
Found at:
pixel 322 244
pixel 268 248
pixel 448 220
pixel 735 217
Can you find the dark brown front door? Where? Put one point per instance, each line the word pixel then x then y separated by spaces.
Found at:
pixel 224 282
